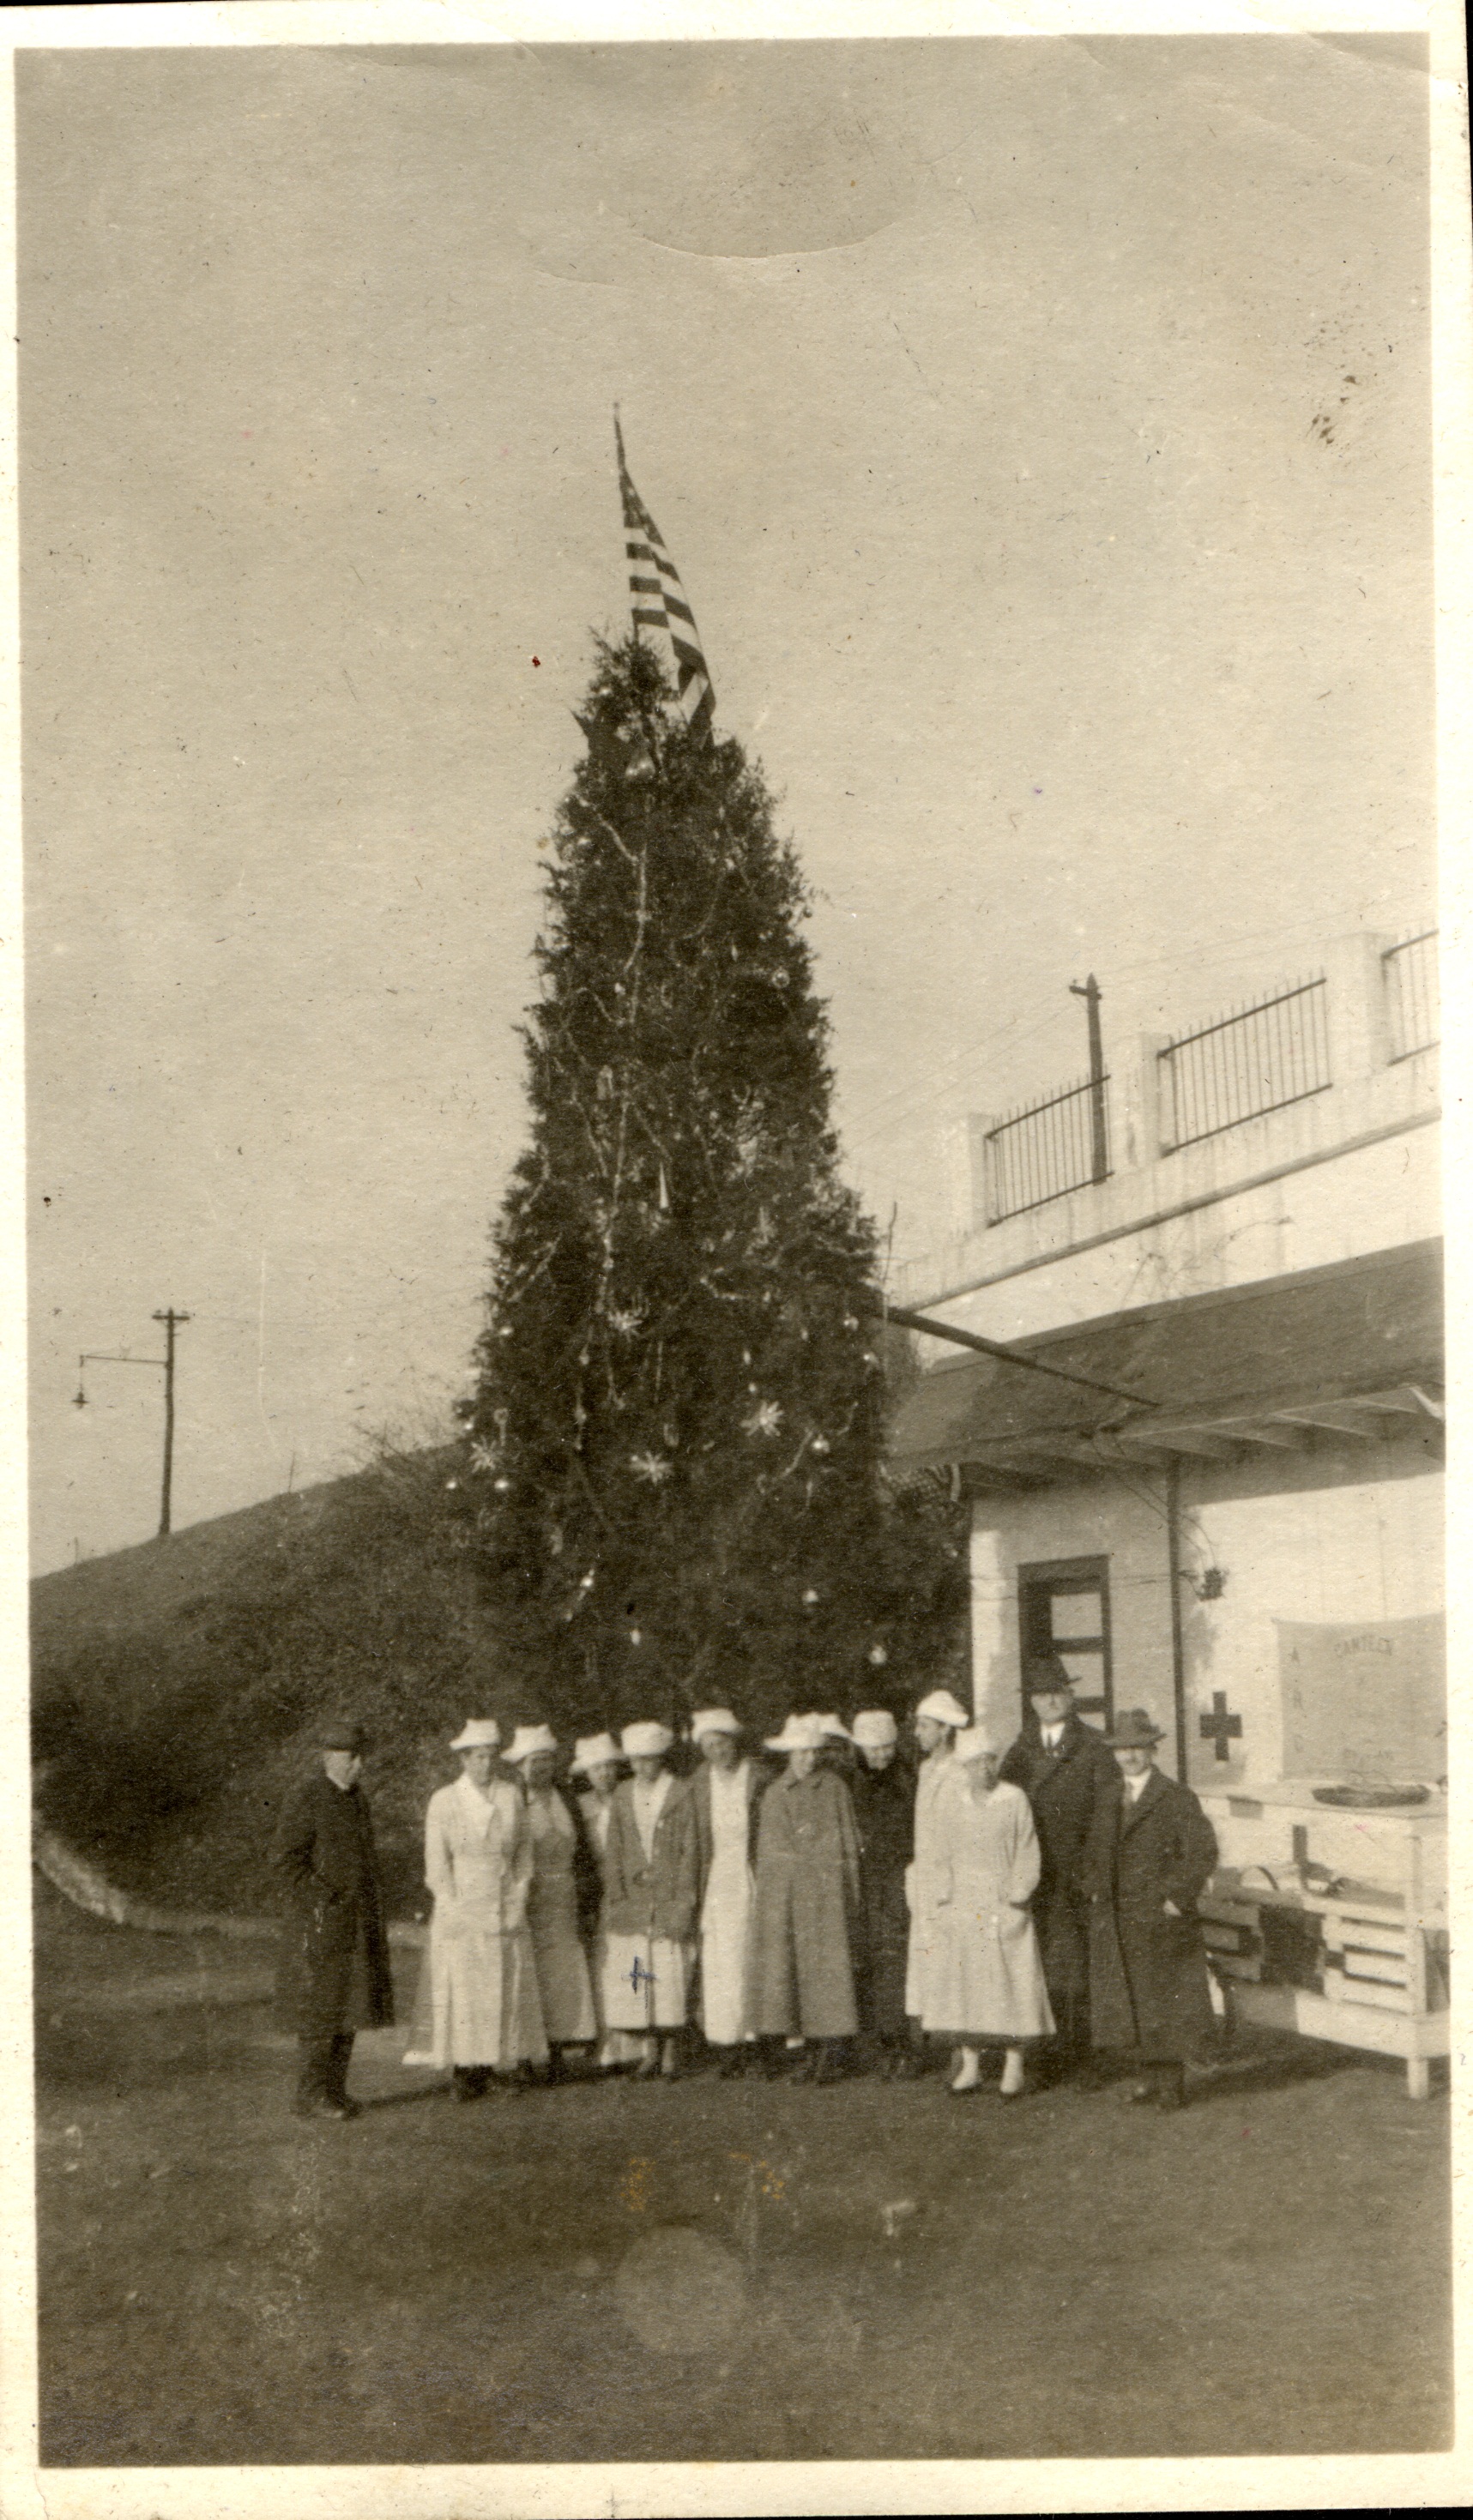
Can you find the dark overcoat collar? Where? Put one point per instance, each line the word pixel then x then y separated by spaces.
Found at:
pixel 1146 1800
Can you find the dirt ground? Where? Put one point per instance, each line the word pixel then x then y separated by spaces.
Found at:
pixel 705 2270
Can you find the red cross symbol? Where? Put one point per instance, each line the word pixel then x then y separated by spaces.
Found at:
pixel 1219 1727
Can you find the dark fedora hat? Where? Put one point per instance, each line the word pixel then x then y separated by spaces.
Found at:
pixel 1046 1672
pixel 1134 1731
pixel 340 1733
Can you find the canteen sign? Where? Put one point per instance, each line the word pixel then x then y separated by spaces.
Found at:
pixel 1364 1704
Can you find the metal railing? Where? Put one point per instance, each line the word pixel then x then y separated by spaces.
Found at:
pixel 1265 1055
pixel 1047 1150
pixel 1413 1005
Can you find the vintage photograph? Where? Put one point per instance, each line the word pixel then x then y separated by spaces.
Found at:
pixel 739 1730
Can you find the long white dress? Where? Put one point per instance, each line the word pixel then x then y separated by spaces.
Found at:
pixel 726 1908
pixel 987 1981
pixel 926 1882
pixel 483 2008
pixel 553 1917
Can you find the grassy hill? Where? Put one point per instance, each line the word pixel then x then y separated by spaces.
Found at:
pixel 173 1685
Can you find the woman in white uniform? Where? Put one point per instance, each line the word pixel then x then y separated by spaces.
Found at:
pixel 477 2012
pixel 650 1906
pixel 986 1989
pixel 939 1718
pixel 563 1896
pixel 726 1793
pixel 599 1760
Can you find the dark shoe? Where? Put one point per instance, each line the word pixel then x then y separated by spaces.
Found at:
pixel 829 2068
pixel 733 2064
pixel 647 2070
pixel 323 2107
pixel 906 2066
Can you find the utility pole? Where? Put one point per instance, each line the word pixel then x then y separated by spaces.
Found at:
pixel 1099 1169
pixel 171 1321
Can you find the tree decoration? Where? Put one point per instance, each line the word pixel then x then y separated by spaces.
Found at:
pixel 678 1273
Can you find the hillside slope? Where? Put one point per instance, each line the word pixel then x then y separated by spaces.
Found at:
pixel 173 1685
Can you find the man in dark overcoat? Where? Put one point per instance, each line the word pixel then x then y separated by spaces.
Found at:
pixel 1066 1770
pixel 1151 1854
pixel 332 1967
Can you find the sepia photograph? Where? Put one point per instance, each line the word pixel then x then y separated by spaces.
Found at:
pixel 738 1707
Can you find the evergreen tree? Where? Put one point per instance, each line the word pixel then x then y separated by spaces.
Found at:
pixel 673 1484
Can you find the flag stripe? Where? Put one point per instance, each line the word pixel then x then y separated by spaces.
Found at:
pixel 692 675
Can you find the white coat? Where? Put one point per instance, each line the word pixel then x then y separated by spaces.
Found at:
pixel 484 2008
pixel 986 1979
pixel 925 1881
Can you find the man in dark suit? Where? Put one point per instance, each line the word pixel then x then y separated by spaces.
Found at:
pixel 1066 1770
pixel 332 1967
pixel 1151 1854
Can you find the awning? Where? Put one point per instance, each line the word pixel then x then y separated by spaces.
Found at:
pixel 1343 1352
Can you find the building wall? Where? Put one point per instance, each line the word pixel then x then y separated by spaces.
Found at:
pixel 1343 1534
pixel 1370 1198
pixel 1086 1517
pixel 1355 1536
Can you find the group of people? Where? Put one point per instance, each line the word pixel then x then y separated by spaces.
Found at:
pixel 1040 1905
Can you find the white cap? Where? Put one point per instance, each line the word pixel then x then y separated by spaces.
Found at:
pixel 528 1738
pixel 875 1728
pixel 976 1744
pixel 941 1708
pixel 478 1732
pixel 595 1750
pixel 645 1740
pixel 834 1729
pixel 801 1732
pixel 713 1719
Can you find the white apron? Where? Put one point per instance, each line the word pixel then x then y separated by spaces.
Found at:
pixel 481 1982
pixel 726 1911
pixel 927 1883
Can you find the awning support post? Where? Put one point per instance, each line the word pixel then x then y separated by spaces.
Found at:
pixel 1179 1642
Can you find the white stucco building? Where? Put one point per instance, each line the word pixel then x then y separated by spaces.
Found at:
pixel 1231 1511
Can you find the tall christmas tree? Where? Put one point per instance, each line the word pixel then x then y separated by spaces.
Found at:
pixel 673 1483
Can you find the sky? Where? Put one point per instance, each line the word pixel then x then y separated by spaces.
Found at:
pixel 1040 428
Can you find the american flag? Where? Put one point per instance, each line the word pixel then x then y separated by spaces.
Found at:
pixel 660 598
